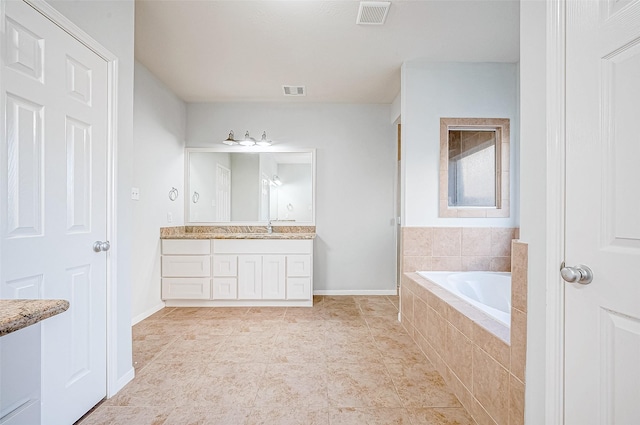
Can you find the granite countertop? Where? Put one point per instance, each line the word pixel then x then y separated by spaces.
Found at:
pixel 240 236
pixel 18 314
pixel 237 232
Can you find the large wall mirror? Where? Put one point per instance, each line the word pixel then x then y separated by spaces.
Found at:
pixel 230 186
pixel 474 167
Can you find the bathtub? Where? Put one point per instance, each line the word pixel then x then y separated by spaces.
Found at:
pixel 487 291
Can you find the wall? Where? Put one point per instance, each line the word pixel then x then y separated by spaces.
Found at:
pixel 111 24
pixel 159 131
pixel 431 91
pixel 355 246
pixel 533 229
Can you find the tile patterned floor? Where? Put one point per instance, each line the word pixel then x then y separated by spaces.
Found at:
pixel 346 361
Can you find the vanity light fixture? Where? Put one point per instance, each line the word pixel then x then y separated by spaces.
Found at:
pixel 248 140
pixel 230 140
pixel 263 140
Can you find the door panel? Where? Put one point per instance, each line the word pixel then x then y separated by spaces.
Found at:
pixel 602 319
pixel 53 155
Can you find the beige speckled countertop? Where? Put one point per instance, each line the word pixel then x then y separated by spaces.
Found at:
pixel 18 314
pixel 237 232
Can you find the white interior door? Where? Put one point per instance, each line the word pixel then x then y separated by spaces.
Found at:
pixel 53 200
pixel 223 193
pixel 602 319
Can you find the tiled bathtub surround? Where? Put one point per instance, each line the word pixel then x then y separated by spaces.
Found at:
pixel 457 248
pixel 479 358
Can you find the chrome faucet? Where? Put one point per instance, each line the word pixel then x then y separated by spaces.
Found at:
pixel 269 228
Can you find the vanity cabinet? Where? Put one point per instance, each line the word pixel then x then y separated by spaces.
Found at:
pixel 186 269
pixel 20 383
pixel 247 272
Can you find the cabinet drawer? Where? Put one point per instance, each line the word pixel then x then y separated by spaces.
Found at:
pixel 298 265
pixel 225 265
pixel 299 288
pixel 225 288
pixel 186 288
pixel 186 247
pixel 262 246
pixel 186 266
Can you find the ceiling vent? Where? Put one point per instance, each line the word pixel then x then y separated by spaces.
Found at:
pixel 372 12
pixel 294 90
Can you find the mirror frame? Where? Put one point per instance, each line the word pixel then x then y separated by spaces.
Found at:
pixel 501 126
pixel 245 149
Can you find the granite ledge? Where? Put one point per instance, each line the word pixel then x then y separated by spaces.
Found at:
pixel 240 236
pixel 237 232
pixel 18 314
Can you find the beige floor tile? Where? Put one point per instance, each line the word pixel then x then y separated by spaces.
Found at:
pixel 208 416
pixel 441 416
pixel 227 384
pixel 420 385
pixel 277 415
pixel 293 385
pixel 367 416
pixel 109 415
pixel 346 360
pixel 360 385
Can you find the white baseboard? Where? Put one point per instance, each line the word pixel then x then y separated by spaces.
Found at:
pixel 140 317
pixel 122 381
pixel 357 292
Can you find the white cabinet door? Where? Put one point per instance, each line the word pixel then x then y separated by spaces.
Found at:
pixel 249 277
pixel 298 265
pixel 225 265
pixel 186 288
pixel 299 288
pixel 225 288
pixel 20 372
pixel 273 277
pixel 186 266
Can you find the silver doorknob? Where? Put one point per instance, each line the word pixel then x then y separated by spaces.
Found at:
pixel 101 246
pixel 580 273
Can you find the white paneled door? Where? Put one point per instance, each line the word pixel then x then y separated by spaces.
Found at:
pixel 53 153
pixel 602 318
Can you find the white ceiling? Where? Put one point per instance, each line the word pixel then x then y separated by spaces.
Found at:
pixel 215 51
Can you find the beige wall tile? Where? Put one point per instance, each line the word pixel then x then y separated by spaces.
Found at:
pixel 447 241
pixel 459 352
pixel 518 343
pixel 420 314
pixel 470 264
pixel 480 415
pixel 491 386
pixel 414 264
pixel 406 303
pixel 504 210
pixel 476 241
pixel 455 315
pixel 416 241
pixel 501 238
pixel 501 264
pixel 494 346
pixel 516 402
pixel 519 272
pixel 446 264
pixel 436 331
pixel 472 213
